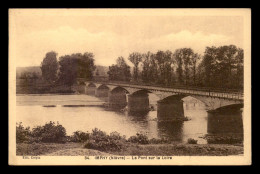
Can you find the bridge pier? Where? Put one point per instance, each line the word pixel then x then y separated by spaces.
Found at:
pixel 138 103
pixel 117 100
pixel 170 109
pixel 90 90
pixel 228 120
pixel 79 88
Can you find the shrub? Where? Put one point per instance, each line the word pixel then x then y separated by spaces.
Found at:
pixel 105 145
pixel 116 136
pixel 139 138
pixel 192 141
pixel 22 133
pixel 80 136
pixel 98 134
pixel 99 140
pixel 49 133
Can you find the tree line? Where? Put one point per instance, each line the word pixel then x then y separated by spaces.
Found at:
pixel 68 68
pixel 220 67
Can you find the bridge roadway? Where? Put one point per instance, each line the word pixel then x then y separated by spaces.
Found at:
pixel 223 95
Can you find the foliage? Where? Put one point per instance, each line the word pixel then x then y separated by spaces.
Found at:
pixel 49 67
pixel 184 58
pixel 22 134
pixel 192 141
pixel 120 71
pixel 139 138
pixel 68 70
pixel 28 75
pixel 147 66
pixel 80 136
pixel 164 61
pixel 220 67
pixel 99 140
pixel 135 58
pixel 223 66
pixel 76 66
pixel 49 133
pixel 158 68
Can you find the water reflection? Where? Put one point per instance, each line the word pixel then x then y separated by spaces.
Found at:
pixel 171 130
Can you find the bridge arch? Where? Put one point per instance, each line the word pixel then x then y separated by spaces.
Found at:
pixel 166 96
pixel 119 89
pixel 90 88
pixel 173 97
pixel 228 109
pixel 141 91
pixel 81 82
pixel 211 103
pixel 103 86
pixel 102 91
pixel 91 85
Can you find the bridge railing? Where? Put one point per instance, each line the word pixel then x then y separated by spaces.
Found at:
pixel 198 88
pixel 224 95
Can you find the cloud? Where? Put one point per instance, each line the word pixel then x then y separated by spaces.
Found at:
pixel 197 41
pixel 106 46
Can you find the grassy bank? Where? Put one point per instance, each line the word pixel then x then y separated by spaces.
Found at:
pixel 39 86
pixel 46 99
pixel 77 149
pixel 54 149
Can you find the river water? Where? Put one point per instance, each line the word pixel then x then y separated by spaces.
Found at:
pixel 31 112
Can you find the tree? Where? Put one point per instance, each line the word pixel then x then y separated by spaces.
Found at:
pixel 226 62
pixel 164 61
pixel 240 68
pixel 186 61
pixel 153 73
pixel 120 71
pixel 200 74
pixel 146 62
pixel 208 62
pixel 178 54
pixel 223 66
pixel 76 66
pixel 113 73
pixel 97 73
pixel 124 69
pixel 194 61
pixel 68 70
pixel 49 67
pixel 135 58
pixel 86 65
pixel 167 67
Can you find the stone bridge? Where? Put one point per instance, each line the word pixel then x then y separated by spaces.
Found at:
pixel 221 105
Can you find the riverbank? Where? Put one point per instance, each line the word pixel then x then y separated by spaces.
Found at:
pixel 56 100
pixel 178 149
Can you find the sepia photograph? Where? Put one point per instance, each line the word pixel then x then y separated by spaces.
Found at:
pixel 129 86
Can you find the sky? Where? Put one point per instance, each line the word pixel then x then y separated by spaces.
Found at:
pixel 110 34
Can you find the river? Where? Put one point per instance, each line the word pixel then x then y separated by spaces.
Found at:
pixel 91 114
